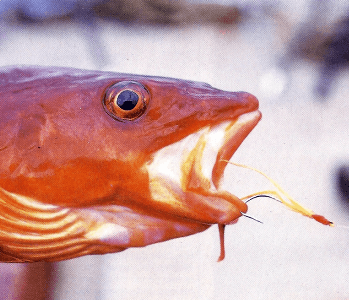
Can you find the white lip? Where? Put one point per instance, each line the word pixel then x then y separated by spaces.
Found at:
pixel 221 141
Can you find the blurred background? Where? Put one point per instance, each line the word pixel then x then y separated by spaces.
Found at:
pixel 293 55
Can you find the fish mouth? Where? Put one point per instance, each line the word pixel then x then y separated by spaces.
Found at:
pixel 205 165
pixel 234 134
pixel 195 165
pixel 184 182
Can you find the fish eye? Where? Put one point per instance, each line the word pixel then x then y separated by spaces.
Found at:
pixel 126 100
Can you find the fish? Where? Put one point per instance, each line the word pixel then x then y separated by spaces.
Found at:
pixel 95 162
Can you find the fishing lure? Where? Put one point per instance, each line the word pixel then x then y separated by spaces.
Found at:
pixel 97 162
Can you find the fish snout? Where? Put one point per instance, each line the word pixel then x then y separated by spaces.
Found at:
pixel 248 101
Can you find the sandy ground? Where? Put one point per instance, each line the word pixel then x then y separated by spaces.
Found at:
pixel 299 143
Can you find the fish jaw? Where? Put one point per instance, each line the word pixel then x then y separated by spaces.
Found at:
pixel 185 183
pixel 33 231
pixel 235 134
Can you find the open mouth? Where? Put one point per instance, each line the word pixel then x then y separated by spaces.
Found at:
pixel 184 189
pixel 195 165
pixel 220 143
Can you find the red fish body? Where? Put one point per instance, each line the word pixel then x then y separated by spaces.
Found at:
pixel 95 162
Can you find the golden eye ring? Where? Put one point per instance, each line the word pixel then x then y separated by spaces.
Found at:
pixel 126 100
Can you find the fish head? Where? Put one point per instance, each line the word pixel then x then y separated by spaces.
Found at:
pixel 129 154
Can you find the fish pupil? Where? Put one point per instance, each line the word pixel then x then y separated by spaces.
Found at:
pixel 127 100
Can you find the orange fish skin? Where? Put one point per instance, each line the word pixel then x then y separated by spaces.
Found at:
pixel 60 147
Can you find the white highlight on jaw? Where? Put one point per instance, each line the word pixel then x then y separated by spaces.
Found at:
pixel 214 141
pixel 167 161
pixel 112 234
pixel 248 117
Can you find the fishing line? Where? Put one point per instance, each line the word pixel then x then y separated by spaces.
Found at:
pixel 282 196
pixel 247 216
pixel 266 196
